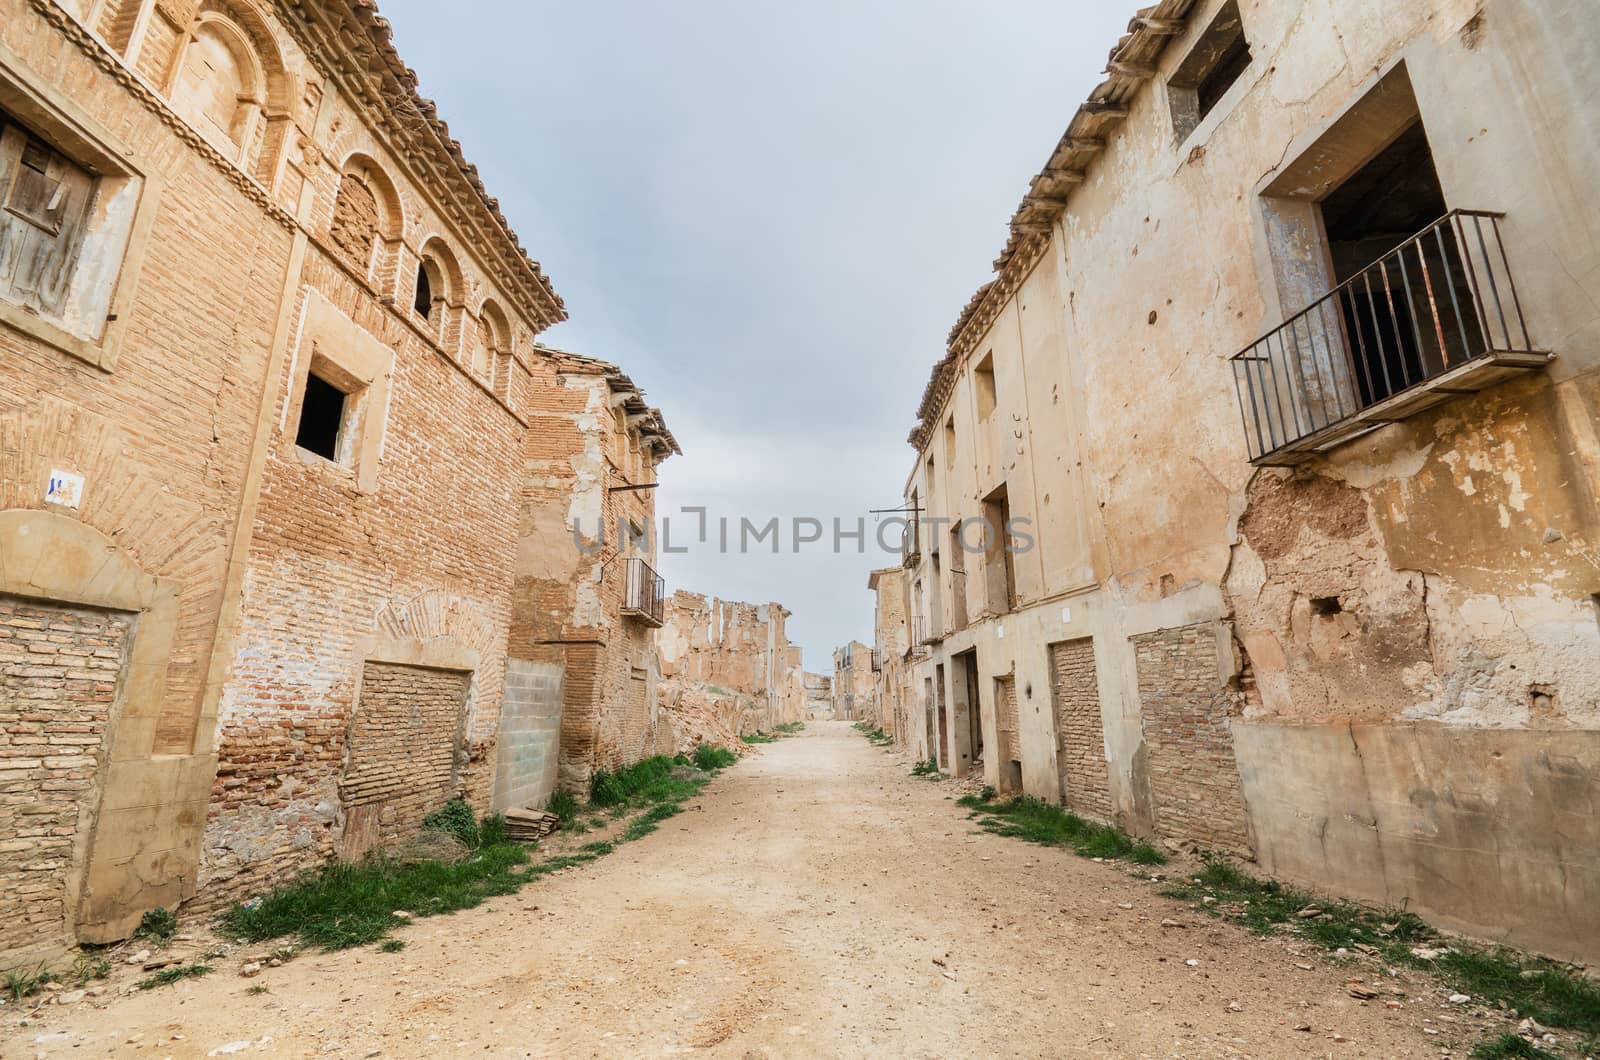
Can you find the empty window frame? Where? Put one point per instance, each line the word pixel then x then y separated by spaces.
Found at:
pixel 324 414
pixel 1217 60
pixel 983 383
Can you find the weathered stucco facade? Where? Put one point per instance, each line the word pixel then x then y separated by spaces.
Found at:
pixel 587 601
pixel 273 433
pixel 727 669
pixel 1338 620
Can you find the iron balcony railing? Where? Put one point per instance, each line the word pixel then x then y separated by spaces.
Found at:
pixel 1434 317
pixel 647 593
pixel 877 660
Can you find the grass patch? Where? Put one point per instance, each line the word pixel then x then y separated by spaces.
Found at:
pixel 790 728
pixel 1036 821
pixel 874 733
pixel 929 769
pixel 261 988
pixel 1547 992
pixel 392 945
pixel 346 905
pixel 177 973
pixel 1509 1045
pixel 88 966
pixel 759 737
pixel 341 906
pixel 709 758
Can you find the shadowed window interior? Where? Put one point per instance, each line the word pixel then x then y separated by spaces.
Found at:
pixel 1217 60
pixel 423 303
pixel 321 418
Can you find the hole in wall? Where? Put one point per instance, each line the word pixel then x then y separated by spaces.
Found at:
pixel 1326 605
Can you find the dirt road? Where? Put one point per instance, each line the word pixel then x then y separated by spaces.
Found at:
pixel 816 901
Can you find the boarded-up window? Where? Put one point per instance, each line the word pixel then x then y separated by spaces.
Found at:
pixel 46 205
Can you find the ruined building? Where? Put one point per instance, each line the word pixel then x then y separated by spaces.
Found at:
pixel 1286 386
pixel 581 683
pixel 892 653
pixel 855 696
pixel 727 670
pixel 277 446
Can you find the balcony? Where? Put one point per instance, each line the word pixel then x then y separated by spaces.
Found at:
pixel 646 595
pixel 919 636
pixel 1434 318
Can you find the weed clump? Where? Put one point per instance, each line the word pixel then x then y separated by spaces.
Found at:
pixel 1037 821
pixel 710 758
pixel 930 768
pixel 565 806
pixel 759 737
pixel 157 925
pixel 790 728
pixel 22 982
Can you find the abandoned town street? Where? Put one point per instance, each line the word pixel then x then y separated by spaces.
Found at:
pixel 808 903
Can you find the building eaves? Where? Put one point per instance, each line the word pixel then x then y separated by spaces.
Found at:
pixel 652 425
pixel 1131 64
pixel 353 44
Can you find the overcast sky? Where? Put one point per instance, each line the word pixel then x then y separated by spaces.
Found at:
pixel 770 215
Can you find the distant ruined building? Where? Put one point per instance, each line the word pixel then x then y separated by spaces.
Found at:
pixel 286 480
pixel 1288 369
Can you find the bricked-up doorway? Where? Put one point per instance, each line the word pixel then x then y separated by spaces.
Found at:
pixel 405 752
pixel 1185 707
pixel 1080 731
pixel 930 719
pixel 61 671
pixel 1008 724
pixel 944 720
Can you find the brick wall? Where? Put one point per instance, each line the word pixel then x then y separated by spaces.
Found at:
pixel 59 672
pixel 406 753
pixel 530 735
pixel 1080 733
pixel 1186 705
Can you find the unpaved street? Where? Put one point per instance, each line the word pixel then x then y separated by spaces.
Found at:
pixel 816 900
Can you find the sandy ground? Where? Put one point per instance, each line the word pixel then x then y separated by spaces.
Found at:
pixel 816 900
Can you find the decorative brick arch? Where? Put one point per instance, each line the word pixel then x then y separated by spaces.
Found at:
pixel 368 221
pixel 259 125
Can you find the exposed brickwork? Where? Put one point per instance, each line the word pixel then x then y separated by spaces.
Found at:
pixel 355 223
pixel 1006 720
pixel 1186 708
pixel 59 671
pixel 1080 732
pixel 405 752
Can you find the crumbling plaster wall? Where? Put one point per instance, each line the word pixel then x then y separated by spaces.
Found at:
pixel 1439 570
